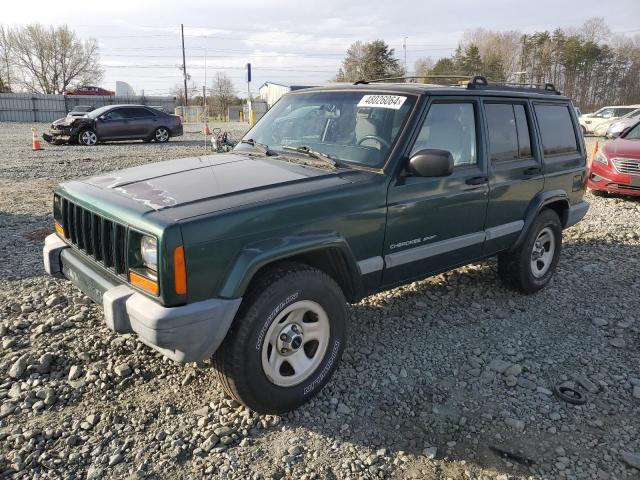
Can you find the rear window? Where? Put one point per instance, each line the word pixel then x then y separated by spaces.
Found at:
pixel 556 129
pixel 508 131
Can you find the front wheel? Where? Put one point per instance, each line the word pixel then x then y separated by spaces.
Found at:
pixel 87 138
pixel 161 135
pixel 286 340
pixel 530 267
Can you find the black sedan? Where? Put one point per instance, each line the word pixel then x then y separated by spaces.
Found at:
pixel 116 122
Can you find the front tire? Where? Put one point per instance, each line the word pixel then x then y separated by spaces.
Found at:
pixel 531 266
pixel 286 340
pixel 87 137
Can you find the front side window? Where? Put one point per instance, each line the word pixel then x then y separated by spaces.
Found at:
pixel 117 114
pixel 556 129
pixel 509 136
pixel 351 126
pixel 451 127
pixel 604 113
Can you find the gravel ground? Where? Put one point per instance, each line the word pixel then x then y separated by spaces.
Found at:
pixel 440 377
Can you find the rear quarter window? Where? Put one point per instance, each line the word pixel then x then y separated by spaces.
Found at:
pixel 556 129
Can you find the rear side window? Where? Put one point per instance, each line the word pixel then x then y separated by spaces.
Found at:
pixel 556 129
pixel 508 131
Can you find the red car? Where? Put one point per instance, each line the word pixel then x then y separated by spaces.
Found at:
pixel 616 166
pixel 88 90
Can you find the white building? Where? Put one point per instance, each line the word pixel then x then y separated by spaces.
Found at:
pixel 271 92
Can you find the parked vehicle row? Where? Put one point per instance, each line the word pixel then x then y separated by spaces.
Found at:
pixel 615 167
pixel 604 117
pixel 335 194
pixel 115 122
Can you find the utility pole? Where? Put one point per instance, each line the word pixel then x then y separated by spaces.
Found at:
pixel 249 106
pixel 184 68
pixel 404 47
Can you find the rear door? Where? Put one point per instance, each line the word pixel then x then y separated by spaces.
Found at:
pixel 434 223
pixel 141 122
pixel 515 169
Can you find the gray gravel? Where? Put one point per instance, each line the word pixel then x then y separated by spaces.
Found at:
pixel 440 376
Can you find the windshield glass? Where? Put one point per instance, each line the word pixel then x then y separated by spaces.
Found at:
pixel 98 111
pixel 357 127
pixel 634 133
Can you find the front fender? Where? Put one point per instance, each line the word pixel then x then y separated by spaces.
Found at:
pixel 536 205
pixel 263 253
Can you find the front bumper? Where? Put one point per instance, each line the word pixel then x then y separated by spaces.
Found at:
pixel 185 334
pixel 606 179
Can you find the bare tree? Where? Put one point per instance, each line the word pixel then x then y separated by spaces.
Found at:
pixel 5 59
pixel 505 46
pixel 48 60
pixel 222 94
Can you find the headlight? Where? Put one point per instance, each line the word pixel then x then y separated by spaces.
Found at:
pixel 149 252
pixel 600 157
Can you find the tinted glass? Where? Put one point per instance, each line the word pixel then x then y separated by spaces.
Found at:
pixel 556 129
pixel 117 114
pixel 503 134
pixel 524 137
pixel 452 127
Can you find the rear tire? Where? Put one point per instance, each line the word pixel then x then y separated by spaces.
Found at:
pixel 161 135
pixel 530 267
pixel 286 340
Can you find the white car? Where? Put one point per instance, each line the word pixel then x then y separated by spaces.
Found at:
pixel 618 126
pixel 589 121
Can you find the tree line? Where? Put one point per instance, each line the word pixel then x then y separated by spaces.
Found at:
pixel 588 63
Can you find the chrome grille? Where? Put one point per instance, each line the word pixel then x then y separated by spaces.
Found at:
pixel 627 165
pixel 97 237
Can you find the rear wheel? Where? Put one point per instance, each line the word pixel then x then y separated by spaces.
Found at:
pixel 286 340
pixel 161 135
pixel 530 267
pixel 87 137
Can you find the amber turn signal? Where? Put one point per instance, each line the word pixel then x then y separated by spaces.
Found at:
pixel 59 229
pixel 179 271
pixel 143 283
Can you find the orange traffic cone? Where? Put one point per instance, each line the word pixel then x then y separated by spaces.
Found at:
pixel 35 144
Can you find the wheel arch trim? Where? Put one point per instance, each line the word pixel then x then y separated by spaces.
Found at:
pixel 255 257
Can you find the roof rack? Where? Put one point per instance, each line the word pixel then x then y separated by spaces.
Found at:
pixel 366 82
pixel 480 82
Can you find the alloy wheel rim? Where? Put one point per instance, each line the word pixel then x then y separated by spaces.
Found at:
pixel 89 138
pixel 295 343
pixel 162 135
pixel 542 253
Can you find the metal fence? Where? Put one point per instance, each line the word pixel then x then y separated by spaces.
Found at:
pixel 28 107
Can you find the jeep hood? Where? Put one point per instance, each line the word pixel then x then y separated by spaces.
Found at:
pixel 193 186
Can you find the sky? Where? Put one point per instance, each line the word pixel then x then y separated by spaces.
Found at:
pixel 291 42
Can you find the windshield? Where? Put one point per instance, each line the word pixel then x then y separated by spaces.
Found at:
pixel 99 111
pixel 634 133
pixel 357 127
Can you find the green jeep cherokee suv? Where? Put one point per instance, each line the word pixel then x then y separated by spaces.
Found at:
pixel 336 193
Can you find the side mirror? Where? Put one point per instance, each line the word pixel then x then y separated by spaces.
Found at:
pixel 431 162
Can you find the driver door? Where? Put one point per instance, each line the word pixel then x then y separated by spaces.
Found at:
pixel 436 223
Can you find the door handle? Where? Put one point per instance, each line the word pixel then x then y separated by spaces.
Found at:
pixel 532 171
pixel 476 180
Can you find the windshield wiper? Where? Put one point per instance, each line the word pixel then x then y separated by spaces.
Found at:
pixel 259 146
pixel 313 154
